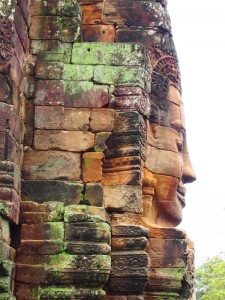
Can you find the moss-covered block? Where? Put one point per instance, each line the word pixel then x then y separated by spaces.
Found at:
pixel 69 293
pixel 108 54
pixel 32 212
pixel 77 72
pixel 121 75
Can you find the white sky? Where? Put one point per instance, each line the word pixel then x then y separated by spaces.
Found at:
pixel 199 35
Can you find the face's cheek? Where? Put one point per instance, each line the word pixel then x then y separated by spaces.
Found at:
pixel 164 162
pixel 165 188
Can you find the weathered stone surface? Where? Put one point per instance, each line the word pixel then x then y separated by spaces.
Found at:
pixel 123 198
pixel 101 120
pixel 6 89
pixel 87 231
pixel 67 293
pixel 42 231
pixel 119 244
pixel 94 193
pixel 85 94
pixel 104 54
pixel 100 141
pixel 48 117
pixel 49 92
pixel 92 13
pixel 136 13
pixel 129 231
pixel 39 247
pixel 41 191
pixel 99 33
pixel 122 75
pixel 84 213
pixel 65 29
pixel 32 212
pixel 163 162
pixel 48 165
pixel 92 166
pixel 50 7
pixel 75 141
pixel 130 177
pixel 165 279
pixel 87 248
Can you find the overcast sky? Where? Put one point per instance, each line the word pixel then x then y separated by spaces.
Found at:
pixel 199 35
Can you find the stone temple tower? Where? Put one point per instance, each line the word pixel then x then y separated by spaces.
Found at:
pixel 93 153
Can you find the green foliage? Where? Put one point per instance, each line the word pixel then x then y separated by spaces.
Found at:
pixel 6 8
pixel 210 279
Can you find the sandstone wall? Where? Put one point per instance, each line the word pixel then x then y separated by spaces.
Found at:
pixel 80 79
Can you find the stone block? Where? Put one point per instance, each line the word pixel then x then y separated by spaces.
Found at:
pixel 26 291
pixel 123 198
pixel 29 87
pixel 67 293
pixel 40 247
pixel 92 166
pixel 116 177
pixel 21 28
pixel 149 38
pixel 57 117
pixel 126 285
pixel 85 94
pixel 137 14
pixel 65 29
pixel 129 231
pixel 41 191
pixel 48 165
pixel 129 123
pixel 49 92
pixel 87 231
pixel 7 253
pixel 52 7
pixel 163 162
pixel 5 231
pixel 75 141
pixel 51 50
pixel 43 231
pixel 85 213
pixel 6 92
pixel 126 244
pixel 99 33
pixel 121 75
pixel 49 70
pixel 100 141
pixel 87 248
pixel 102 120
pixel 92 13
pixel 94 193
pixel 78 72
pixel 165 279
pixel 115 54
pixel 167 253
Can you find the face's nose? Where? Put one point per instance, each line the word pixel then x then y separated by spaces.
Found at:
pixel 188 175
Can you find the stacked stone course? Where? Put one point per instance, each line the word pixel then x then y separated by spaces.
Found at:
pixel 78 160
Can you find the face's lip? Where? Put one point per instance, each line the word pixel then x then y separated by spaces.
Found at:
pixel 181 191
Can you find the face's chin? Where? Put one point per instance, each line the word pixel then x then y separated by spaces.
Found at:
pixel 168 213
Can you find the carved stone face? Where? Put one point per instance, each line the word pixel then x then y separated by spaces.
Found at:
pixel 168 163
